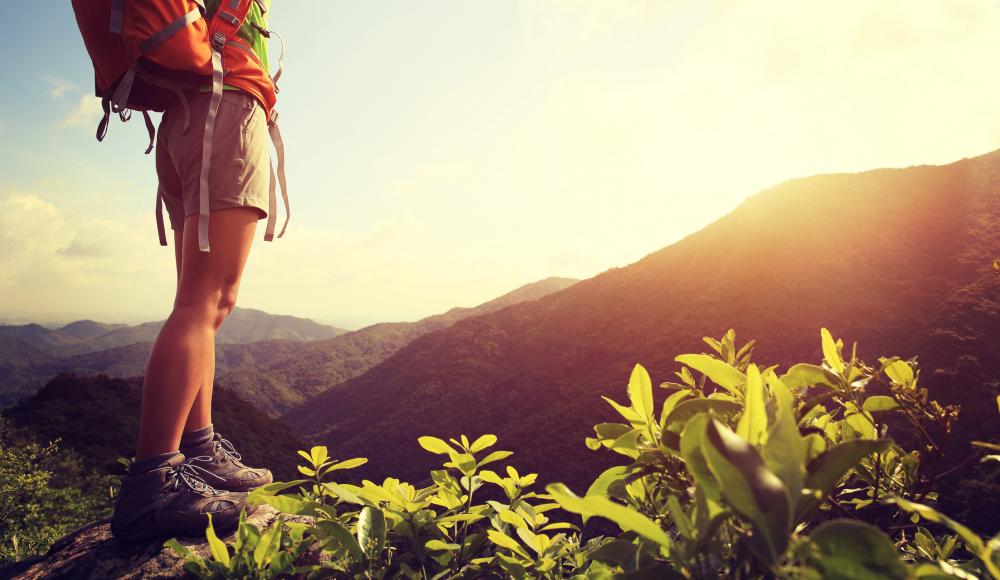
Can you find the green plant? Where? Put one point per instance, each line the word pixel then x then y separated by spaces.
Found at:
pixel 45 492
pixel 741 471
pixel 253 555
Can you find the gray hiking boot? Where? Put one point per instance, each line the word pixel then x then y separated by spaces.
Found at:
pixel 173 499
pixel 218 456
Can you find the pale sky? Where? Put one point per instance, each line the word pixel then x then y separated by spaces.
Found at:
pixel 443 152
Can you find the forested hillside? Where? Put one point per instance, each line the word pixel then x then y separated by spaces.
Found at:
pixel 896 259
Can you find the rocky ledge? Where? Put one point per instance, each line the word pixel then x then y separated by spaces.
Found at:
pixel 92 552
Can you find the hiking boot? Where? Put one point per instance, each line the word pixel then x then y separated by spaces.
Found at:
pixel 173 499
pixel 218 456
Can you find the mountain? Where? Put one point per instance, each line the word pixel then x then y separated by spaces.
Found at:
pixel 898 260
pixel 30 354
pixel 273 373
pixel 107 411
pixel 87 329
pixel 242 325
pixel 277 380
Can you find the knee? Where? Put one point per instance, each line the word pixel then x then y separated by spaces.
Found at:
pixel 225 305
pixel 207 310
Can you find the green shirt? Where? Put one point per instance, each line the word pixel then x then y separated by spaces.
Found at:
pixel 252 36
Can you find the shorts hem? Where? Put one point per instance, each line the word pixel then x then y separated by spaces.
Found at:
pixel 178 225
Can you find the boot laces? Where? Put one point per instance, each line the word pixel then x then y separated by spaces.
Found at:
pixel 188 474
pixel 228 449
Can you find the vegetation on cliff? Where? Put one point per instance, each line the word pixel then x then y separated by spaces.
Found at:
pixel 827 470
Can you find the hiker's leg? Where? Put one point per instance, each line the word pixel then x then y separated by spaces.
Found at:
pixel 201 411
pixel 206 293
pixel 200 415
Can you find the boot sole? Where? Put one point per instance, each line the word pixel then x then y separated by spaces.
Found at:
pixel 146 535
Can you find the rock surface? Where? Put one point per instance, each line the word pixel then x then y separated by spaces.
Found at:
pixel 92 552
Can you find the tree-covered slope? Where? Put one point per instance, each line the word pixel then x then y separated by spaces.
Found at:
pixel 98 417
pixel 896 259
pixel 273 374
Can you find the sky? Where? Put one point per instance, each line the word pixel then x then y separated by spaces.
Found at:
pixel 443 152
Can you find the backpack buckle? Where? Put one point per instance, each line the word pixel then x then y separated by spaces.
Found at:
pixel 218 41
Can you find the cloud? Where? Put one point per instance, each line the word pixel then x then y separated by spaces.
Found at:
pixel 57 88
pixel 86 113
pixel 58 259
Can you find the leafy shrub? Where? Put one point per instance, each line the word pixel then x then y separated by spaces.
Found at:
pixel 44 493
pixel 741 472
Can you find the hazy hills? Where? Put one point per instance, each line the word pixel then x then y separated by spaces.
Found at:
pixel 896 259
pixel 274 361
pixel 243 325
pixel 106 411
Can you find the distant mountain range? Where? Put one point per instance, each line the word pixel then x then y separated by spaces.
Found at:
pixel 243 325
pixel 898 260
pixel 274 361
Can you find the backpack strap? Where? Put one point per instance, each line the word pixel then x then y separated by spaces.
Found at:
pixel 227 21
pixel 159 216
pixel 279 148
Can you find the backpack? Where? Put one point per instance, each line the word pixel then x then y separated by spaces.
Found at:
pixel 146 54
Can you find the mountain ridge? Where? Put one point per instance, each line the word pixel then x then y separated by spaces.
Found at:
pixel 867 254
pixel 272 373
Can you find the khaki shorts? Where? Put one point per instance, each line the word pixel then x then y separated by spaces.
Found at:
pixel 239 175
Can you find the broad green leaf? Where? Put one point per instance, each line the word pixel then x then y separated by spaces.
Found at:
pixel 708 515
pixel 512 518
pixel 899 371
pixel 862 424
pixel 749 488
pixel 606 479
pixel 854 550
pixel 283 503
pixel 630 415
pixel 483 442
pixel 688 409
pixel 433 545
pixel 273 488
pixel 611 431
pixel 318 454
pixel 831 352
pixel 826 470
pixel 624 516
pixel 495 456
pixel 681 519
pixel 335 530
pixel 786 452
pixel 348 464
pixel 268 545
pixel 628 441
pixel 435 445
pixel 371 531
pixel 246 534
pixel 220 552
pixel 694 459
pixel 640 392
pixel 716 370
pixel 807 375
pixel 670 404
pixel 752 425
pixel 877 403
pixel 504 541
pixel 344 492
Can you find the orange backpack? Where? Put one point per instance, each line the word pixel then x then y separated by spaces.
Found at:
pixel 146 54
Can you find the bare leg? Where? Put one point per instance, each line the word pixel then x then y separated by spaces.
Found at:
pixel 201 412
pixel 184 352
